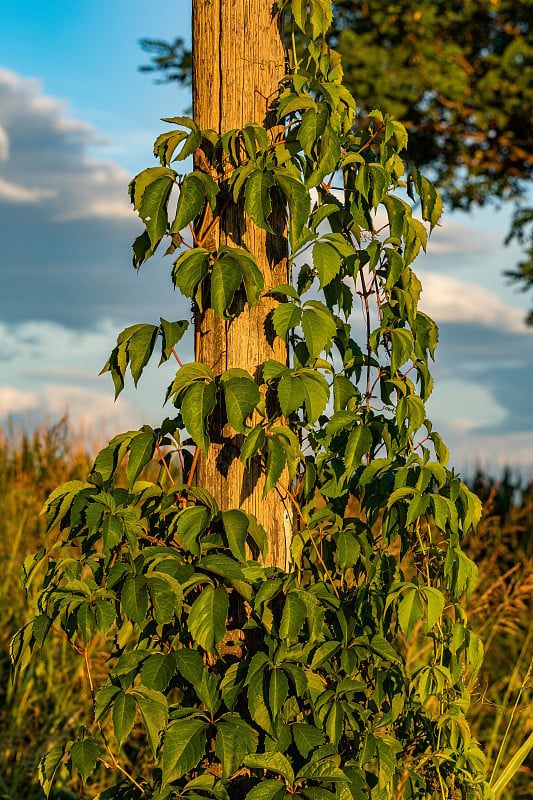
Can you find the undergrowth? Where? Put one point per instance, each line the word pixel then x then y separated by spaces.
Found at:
pixel 40 710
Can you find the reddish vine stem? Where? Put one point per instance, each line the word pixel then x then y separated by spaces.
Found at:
pixel 75 647
pixel 195 240
pixel 215 221
pixel 115 764
pixel 204 160
pixel 380 310
pixel 177 357
pixel 163 461
pixel 193 466
pixel 368 346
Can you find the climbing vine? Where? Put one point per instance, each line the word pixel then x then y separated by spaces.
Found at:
pixel 345 675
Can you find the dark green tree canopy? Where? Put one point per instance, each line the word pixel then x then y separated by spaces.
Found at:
pixel 459 75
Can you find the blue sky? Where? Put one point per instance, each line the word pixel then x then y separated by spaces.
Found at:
pixel 77 121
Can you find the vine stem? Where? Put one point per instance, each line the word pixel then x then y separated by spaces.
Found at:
pixel 317 551
pixel 193 465
pixel 115 764
pixel 177 357
pixel 215 221
pixel 162 457
pixel 368 346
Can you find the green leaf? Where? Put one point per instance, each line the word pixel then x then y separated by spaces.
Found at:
pixel 103 699
pixel 267 790
pixel 183 748
pixel 435 602
pixel 232 683
pixel 273 369
pixel 402 348
pixel 190 269
pixel 306 738
pixel 388 748
pixel 158 670
pixel 257 202
pixel 191 523
pixel 294 616
pixel 140 347
pixel 190 665
pixel 234 740
pixel 335 723
pixel 417 507
pixel 86 620
pixel 318 326
pixel 207 617
pixel 322 771
pixel 165 593
pixel 48 766
pixel 273 762
pixel 285 318
pixel 278 691
pixel 84 756
pixel 222 565
pixel 154 712
pixel 316 393
pixel 359 443
pixel 208 691
pixel 327 262
pixel 187 375
pixel 165 145
pixel 191 200
pixel 324 653
pixel 384 649
pixel 124 713
pixel 241 396
pixel 153 205
pixel 196 407
pixel 254 282
pixel 348 549
pixel 256 702
pixel 254 441
pixel 299 202
pixel 171 332
pixel 410 611
pixel 235 524
pixel 142 249
pixel 225 280
pixel 275 464
pixel 141 451
pixel 291 394
pixel 134 598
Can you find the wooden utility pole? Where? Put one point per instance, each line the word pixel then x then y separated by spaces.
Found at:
pixel 238 61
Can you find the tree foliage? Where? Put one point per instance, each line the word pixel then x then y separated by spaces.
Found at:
pixel 458 75
pixel 251 681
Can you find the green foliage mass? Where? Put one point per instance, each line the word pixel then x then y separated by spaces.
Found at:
pixel 458 75
pixel 249 681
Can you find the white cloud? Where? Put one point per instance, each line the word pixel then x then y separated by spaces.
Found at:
pixel 472 450
pixel 448 299
pixel 452 237
pixel 86 408
pixel 465 404
pixel 12 193
pixel 4 144
pixel 41 146
pixel 47 370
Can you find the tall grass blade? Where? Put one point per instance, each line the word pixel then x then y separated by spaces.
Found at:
pixel 512 767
